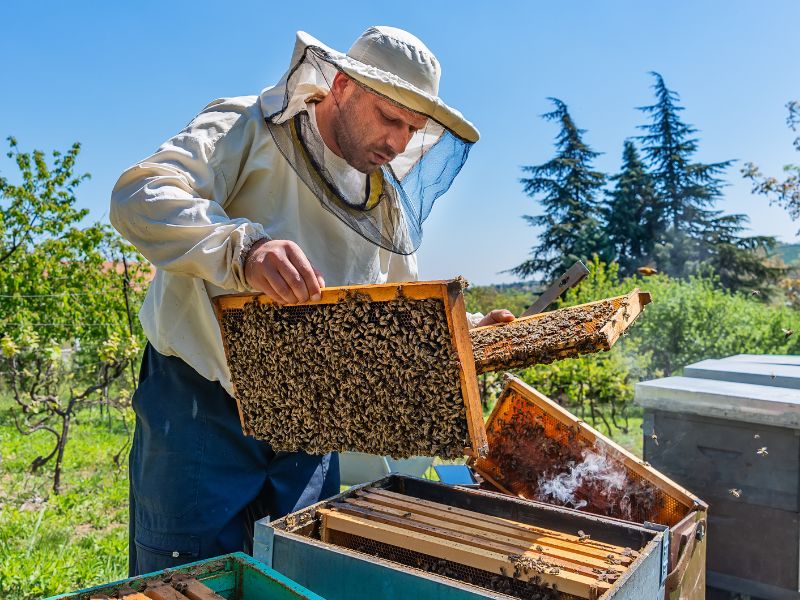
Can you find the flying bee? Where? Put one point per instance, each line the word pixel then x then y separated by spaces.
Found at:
pixel 762 451
pixel 654 437
pixel 755 293
pixel 736 493
pixel 756 436
pixel 787 333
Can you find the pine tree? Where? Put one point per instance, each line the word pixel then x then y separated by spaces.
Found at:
pixel 567 188
pixel 691 235
pixel 688 190
pixel 631 212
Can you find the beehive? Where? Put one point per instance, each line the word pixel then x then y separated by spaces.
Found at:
pixel 384 369
pixel 532 441
pixel 403 537
pixel 234 576
pixel 547 337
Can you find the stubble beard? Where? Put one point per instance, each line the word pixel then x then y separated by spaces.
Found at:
pixel 349 138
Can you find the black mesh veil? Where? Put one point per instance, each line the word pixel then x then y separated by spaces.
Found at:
pixel 387 207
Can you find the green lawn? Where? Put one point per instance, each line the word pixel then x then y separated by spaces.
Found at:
pixel 53 544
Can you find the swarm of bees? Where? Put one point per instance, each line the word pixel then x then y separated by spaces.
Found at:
pixel 378 377
pixel 542 340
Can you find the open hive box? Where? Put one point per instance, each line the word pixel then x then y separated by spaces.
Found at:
pixel 389 369
pixel 540 451
pixel 401 537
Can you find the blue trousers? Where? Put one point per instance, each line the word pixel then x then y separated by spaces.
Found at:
pixel 197 483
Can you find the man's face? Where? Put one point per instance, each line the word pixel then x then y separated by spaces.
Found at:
pixel 370 131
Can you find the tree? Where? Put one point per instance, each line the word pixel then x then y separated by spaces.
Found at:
pixel 786 193
pixel 687 189
pixel 567 188
pixel 631 213
pixel 691 234
pixel 65 335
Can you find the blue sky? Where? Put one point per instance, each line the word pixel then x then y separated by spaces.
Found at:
pixel 122 77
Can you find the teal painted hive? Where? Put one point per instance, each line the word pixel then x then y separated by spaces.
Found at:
pixel 232 576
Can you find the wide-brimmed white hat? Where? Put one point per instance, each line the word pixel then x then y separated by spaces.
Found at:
pixel 395 64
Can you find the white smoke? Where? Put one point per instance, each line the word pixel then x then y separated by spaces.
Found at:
pixel 594 471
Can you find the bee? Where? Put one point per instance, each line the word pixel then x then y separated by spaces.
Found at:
pixel 762 451
pixel 787 333
pixel 654 437
pixel 756 436
pixel 582 537
pixel 647 271
pixel 755 293
pixel 736 493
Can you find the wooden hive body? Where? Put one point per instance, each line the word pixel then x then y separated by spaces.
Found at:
pixel 448 542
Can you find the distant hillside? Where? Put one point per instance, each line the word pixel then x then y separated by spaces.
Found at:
pixel 789 253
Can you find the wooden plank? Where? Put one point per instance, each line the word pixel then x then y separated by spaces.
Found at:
pixel 540 536
pixel 459 335
pixel 194 590
pixel 163 592
pixel 493 562
pixel 591 547
pixel 378 292
pixel 475 537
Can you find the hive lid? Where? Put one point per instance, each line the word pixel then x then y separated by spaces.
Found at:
pixel 769 374
pixel 321 377
pixel 746 402
pixel 533 440
pixel 775 359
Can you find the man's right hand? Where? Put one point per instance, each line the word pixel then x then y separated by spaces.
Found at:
pixel 280 269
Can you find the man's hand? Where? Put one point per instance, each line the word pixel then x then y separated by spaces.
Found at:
pixel 499 315
pixel 280 269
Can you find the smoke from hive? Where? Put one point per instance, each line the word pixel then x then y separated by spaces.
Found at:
pixel 568 472
pixel 371 376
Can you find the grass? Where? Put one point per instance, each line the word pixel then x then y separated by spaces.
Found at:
pixel 52 544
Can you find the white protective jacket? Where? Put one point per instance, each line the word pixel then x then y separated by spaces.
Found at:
pixel 195 207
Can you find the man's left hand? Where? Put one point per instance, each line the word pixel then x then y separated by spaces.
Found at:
pixel 499 315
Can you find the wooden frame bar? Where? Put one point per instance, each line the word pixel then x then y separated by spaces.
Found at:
pixel 492 524
pixel 428 543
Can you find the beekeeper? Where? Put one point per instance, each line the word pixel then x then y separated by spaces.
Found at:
pixel 324 179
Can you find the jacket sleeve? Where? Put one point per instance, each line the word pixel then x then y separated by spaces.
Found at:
pixel 171 204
